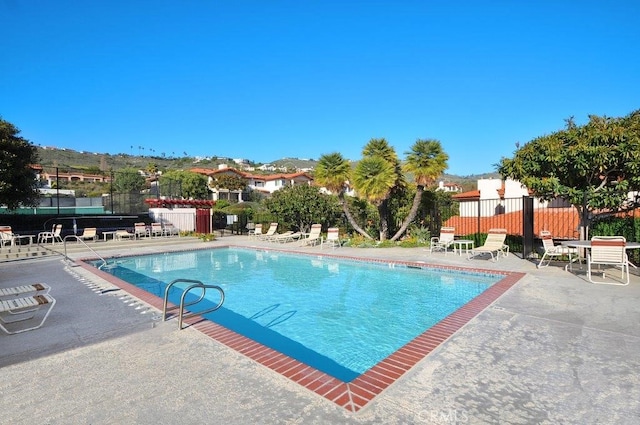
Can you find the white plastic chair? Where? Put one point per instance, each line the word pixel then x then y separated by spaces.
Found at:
pixel 551 250
pixel 444 241
pixel 608 251
pixel 332 239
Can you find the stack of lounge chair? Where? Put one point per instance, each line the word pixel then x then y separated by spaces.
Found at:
pixel 20 305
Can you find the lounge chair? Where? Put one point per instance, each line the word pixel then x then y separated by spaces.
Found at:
pixel 89 233
pixel 124 234
pixel 551 250
pixel 285 237
pixel 7 236
pixel 314 236
pixel 157 229
pixel 24 290
pixel 170 230
pixel 444 241
pixel 140 230
pixel 493 245
pixel 256 232
pixel 332 239
pixel 55 235
pixel 272 231
pixel 16 311
pixel 608 251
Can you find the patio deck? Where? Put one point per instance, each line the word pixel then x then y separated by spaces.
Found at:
pixel 553 349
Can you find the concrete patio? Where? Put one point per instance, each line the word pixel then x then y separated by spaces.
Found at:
pixel 553 349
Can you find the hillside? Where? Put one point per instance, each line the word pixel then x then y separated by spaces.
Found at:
pixel 67 159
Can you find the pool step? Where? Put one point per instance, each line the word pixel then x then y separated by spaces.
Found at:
pixel 23 252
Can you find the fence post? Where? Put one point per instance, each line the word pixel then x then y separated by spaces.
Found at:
pixel 527 226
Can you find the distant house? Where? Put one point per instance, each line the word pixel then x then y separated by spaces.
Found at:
pixel 448 187
pixel 50 178
pixel 265 184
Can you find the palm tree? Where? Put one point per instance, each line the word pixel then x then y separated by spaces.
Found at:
pixel 426 161
pixel 332 172
pixel 380 148
pixel 374 178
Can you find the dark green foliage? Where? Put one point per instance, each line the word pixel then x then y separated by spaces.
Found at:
pixel 593 166
pixel 18 184
pixel 298 207
pixel 185 184
pixel 128 180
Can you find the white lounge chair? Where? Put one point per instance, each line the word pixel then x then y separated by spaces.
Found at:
pixel 124 234
pixel 20 311
pixel 169 229
pixel 315 235
pixel 270 232
pixel 608 251
pixel 7 237
pixel 256 232
pixel 89 233
pixel 551 250
pixel 140 230
pixel 24 290
pixel 285 237
pixel 444 241
pixel 332 239
pixel 55 235
pixel 157 229
pixel 493 245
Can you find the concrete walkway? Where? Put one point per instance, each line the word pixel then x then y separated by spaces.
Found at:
pixel 554 349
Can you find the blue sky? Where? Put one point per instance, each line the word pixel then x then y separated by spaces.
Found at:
pixel 264 80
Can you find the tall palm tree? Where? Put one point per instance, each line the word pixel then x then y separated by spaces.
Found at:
pixel 332 172
pixel 426 161
pixel 373 178
pixel 380 148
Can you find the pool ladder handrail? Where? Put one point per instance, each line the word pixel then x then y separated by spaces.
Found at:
pixel 196 284
pixel 64 243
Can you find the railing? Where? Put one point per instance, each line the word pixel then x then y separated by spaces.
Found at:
pixel 182 305
pixel 64 242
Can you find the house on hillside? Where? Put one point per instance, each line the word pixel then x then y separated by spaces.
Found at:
pixel 449 187
pixel 50 178
pixel 265 184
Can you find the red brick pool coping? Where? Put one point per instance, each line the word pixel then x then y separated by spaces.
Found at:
pixel 353 395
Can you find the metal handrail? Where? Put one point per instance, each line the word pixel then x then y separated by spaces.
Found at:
pixel 182 305
pixel 64 242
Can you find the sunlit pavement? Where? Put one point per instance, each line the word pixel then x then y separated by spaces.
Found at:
pixel 553 349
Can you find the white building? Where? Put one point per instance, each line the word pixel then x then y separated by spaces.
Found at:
pixel 265 184
pixel 491 198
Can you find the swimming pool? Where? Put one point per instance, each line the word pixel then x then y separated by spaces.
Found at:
pixel 339 316
pixel 225 260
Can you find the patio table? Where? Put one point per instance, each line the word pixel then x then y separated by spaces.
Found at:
pixel 587 245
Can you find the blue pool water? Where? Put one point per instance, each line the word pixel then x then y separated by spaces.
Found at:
pixel 339 316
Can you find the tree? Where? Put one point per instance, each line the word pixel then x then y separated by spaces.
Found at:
pixel 192 185
pixel 595 166
pixel 379 179
pixel 128 180
pixel 228 182
pixel 426 161
pixel 18 183
pixel 299 206
pixel 152 168
pixel 377 176
pixel 333 172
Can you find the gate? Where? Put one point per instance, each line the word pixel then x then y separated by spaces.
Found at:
pixel 203 220
pixel 527 226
